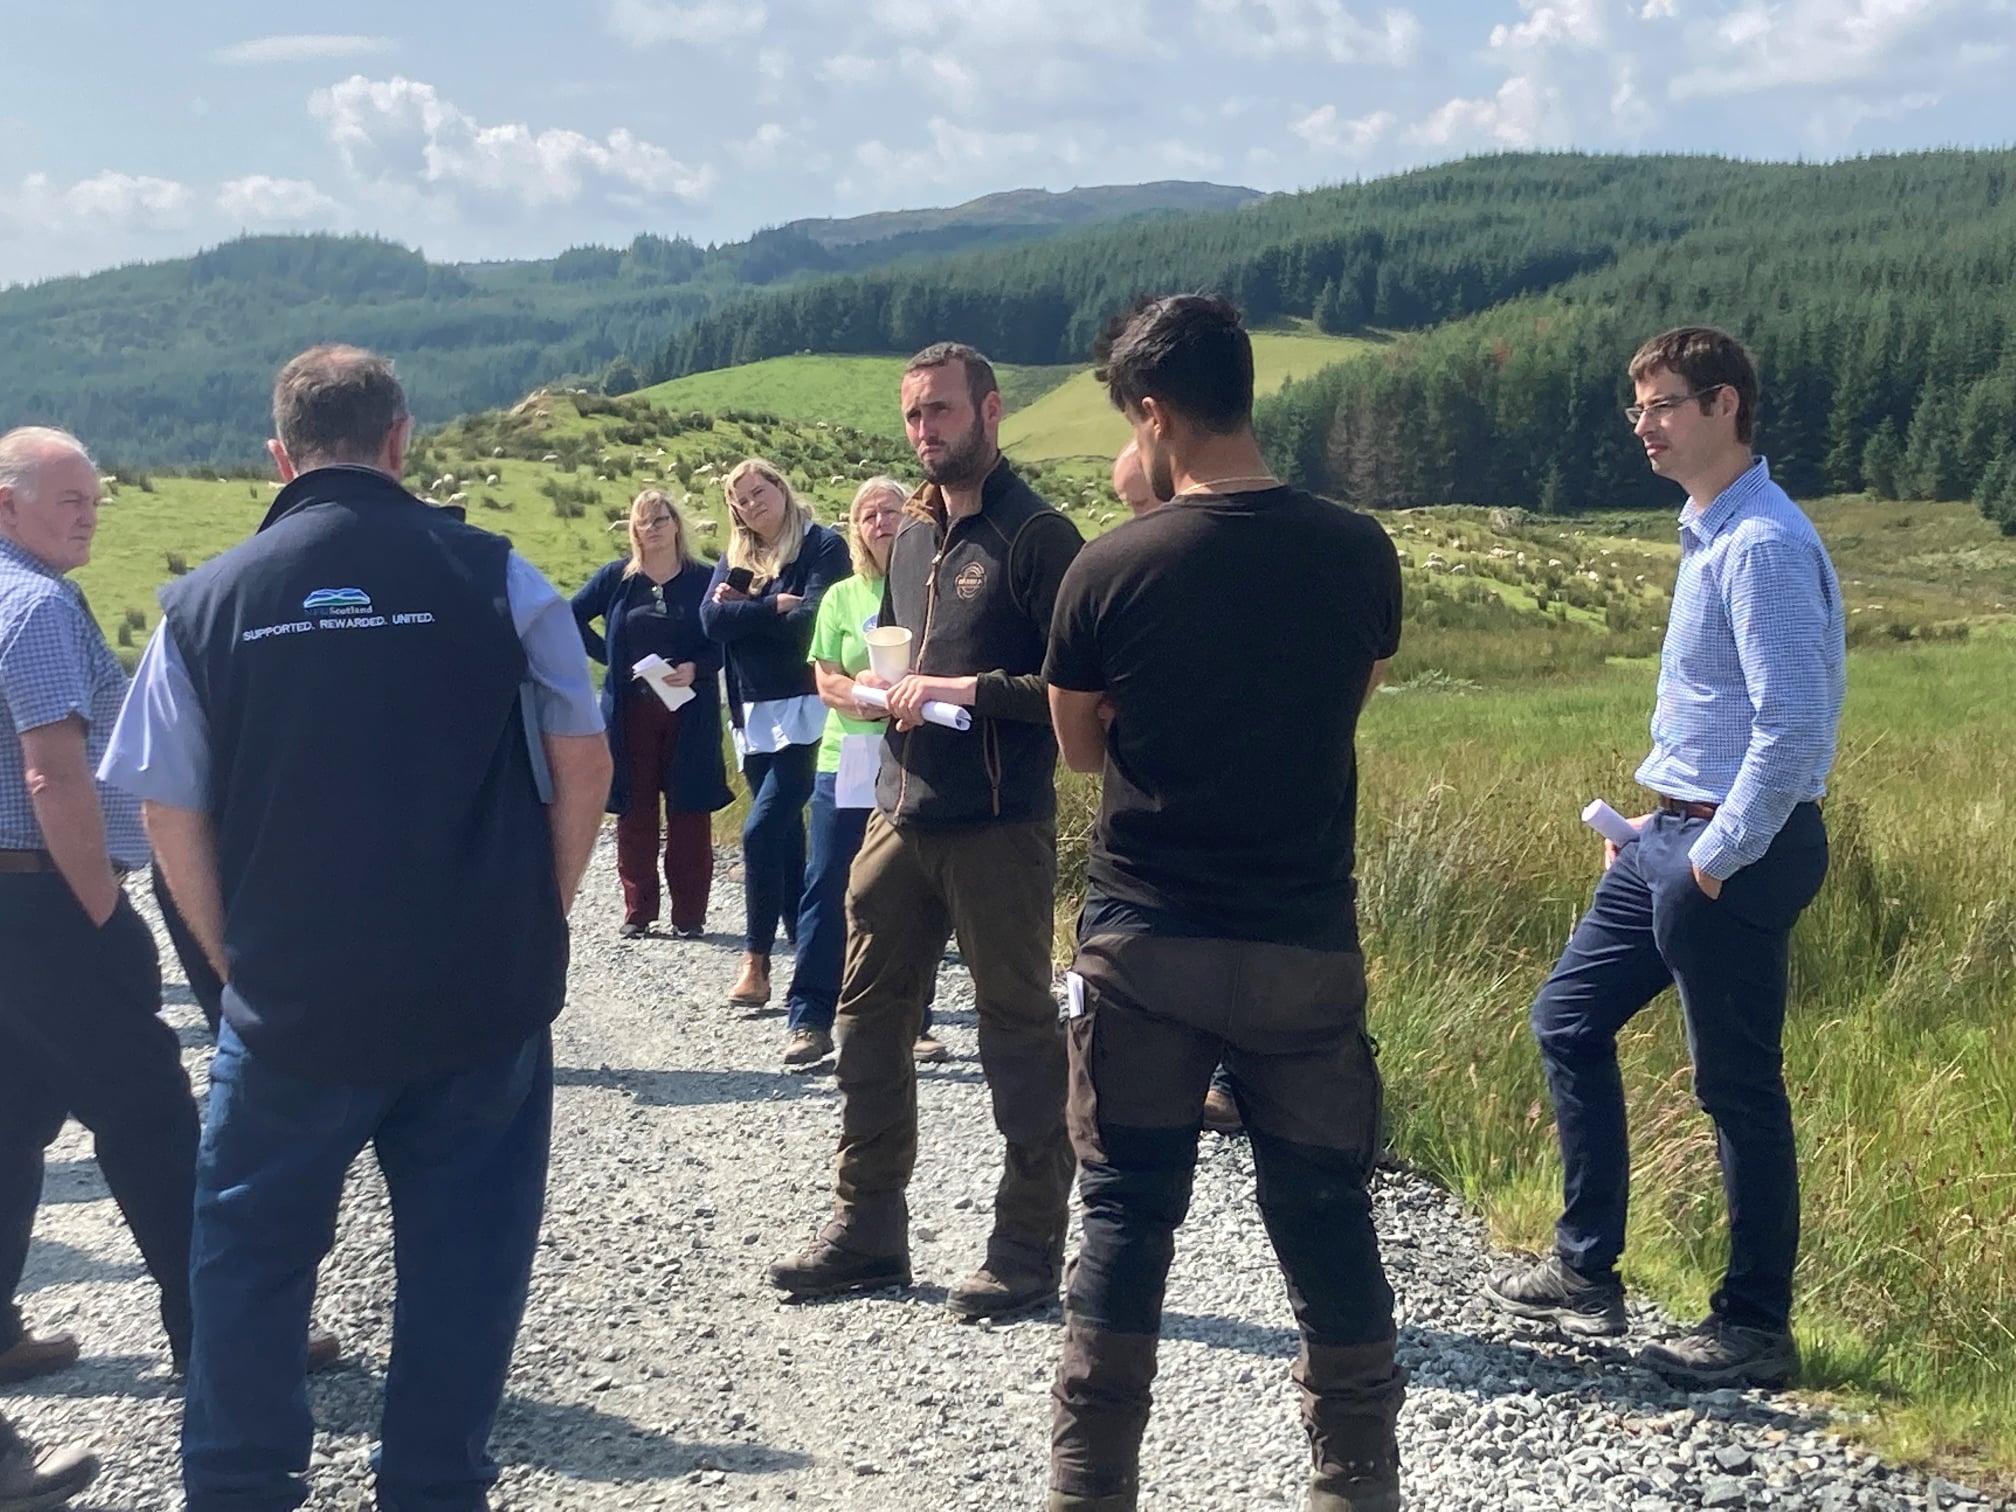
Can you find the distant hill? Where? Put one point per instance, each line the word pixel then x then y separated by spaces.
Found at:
pixel 172 362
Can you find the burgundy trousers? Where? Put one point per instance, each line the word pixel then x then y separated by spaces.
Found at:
pixel 650 730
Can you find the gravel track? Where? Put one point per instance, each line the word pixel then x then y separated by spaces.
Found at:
pixel 658 1369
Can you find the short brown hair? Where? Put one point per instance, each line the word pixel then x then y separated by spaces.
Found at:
pixel 1705 359
pixel 980 380
pixel 336 403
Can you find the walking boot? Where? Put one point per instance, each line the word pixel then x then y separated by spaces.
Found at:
pixel 1065 1501
pixel 29 1483
pixel 1351 1396
pixel 828 1268
pixel 30 1357
pixel 1016 1277
pixel 752 988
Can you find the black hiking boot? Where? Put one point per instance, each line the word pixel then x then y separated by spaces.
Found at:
pixel 1553 1291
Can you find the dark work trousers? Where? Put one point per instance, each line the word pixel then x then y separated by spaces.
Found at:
pixel 464 1159
pixel 773 841
pixel 994 888
pixel 1651 927
pixel 1154 1017
pixel 10 1441
pixel 650 731
pixel 204 983
pixel 81 1037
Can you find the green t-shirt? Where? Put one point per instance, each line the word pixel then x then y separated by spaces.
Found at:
pixel 846 614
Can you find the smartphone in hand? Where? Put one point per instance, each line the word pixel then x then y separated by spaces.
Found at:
pixel 739 578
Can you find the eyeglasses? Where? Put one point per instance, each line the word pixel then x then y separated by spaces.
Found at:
pixel 1659 409
pixel 655 521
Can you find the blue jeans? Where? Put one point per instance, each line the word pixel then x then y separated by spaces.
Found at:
pixel 464 1159
pixel 773 841
pixel 836 835
pixel 1651 927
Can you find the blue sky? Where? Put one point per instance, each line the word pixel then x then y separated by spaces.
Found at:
pixel 474 131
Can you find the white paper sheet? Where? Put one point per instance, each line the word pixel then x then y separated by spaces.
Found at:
pixel 951 716
pixel 860 764
pixel 1608 823
pixel 654 669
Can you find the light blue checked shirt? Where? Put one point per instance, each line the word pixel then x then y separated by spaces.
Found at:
pixel 1753 670
pixel 54 663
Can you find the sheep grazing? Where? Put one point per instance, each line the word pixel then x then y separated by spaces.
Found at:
pixel 1554 562
pixel 550 457
pixel 835 481
pixel 491 479
pixel 1460 569
pixel 708 527
pixel 496 451
pixel 1639 580
pixel 458 498
pixel 446 480
pixel 601 477
pixel 1436 559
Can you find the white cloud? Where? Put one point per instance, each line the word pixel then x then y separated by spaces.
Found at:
pixel 1310 29
pixel 127 200
pixel 850 68
pixel 1517 116
pixel 315 47
pixel 652 23
pixel 956 156
pixel 402 135
pixel 1831 44
pixel 1579 22
pixel 1322 130
pixel 257 200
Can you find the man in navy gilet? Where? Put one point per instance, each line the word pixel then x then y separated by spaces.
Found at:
pixel 372 769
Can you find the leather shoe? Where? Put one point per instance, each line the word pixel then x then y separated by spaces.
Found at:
pixel 325 1350
pixel 29 1484
pixel 752 988
pixel 31 1357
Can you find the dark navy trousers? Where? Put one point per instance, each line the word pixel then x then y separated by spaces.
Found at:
pixel 1651 927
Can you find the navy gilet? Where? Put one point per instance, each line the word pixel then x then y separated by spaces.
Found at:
pixel 391 911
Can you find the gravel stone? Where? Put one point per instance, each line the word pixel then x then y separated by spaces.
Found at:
pixel 658 1369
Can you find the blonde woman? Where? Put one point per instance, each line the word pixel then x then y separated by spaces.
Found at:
pixel 760 608
pixel 650 604
pixel 838 653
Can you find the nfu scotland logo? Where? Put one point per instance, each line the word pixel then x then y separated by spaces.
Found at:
pixel 337 601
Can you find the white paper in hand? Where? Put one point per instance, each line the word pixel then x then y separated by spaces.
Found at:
pixel 951 716
pixel 860 764
pixel 654 669
pixel 1608 823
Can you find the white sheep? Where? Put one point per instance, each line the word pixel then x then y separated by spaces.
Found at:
pixel 490 479
pixel 708 527
pixel 550 457
pixel 496 451
pixel 601 477
pixel 1459 570
pixel 1554 562
pixel 458 498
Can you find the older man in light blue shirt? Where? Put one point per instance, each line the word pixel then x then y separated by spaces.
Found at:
pixel 1750 687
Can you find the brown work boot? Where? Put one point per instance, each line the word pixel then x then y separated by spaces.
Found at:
pixel 1351 1397
pixel 1221 1112
pixel 1066 1501
pixel 31 1357
pixel 325 1350
pixel 29 1483
pixel 928 1050
pixel 752 988
pixel 825 1268
pixel 1015 1278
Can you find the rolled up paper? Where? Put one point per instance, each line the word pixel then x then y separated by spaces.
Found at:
pixel 951 716
pixel 654 669
pixel 1608 823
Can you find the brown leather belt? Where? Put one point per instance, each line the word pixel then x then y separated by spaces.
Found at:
pixel 26 861
pixel 1685 809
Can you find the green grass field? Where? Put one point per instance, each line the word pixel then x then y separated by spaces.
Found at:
pixel 1075 419
pixel 854 391
pixel 1522 689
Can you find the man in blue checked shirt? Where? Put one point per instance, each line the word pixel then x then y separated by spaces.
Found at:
pixel 1750 687
pixel 80 984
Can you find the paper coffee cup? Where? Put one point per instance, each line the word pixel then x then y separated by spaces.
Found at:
pixel 888 651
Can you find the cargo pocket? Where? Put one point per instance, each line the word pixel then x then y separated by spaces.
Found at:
pixel 1081 1098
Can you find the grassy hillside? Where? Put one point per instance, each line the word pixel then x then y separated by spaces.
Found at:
pixel 1075 420
pixel 852 391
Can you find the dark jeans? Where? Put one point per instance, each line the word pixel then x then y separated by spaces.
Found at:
pixel 1156 1016
pixel 204 983
pixel 835 839
pixel 81 1037
pixel 773 841
pixel 464 1159
pixel 650 732
pixel 1651 927
pixel 995 887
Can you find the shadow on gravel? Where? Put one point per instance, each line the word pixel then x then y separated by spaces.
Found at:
pixel 65 1181
pixel 1486 1368
pixel 51 1262
pixel 138 1376
pixel 573 1440
pixel 690 1089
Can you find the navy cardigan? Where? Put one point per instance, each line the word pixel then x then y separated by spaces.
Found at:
pixel 769 653
pixel 695 779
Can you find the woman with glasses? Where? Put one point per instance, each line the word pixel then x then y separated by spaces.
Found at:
pixel 650 605
pixel 761 607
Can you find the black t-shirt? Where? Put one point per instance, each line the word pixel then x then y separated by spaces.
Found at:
pixel 1234 635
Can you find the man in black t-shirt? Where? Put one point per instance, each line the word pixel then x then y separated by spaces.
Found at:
pixel 1219 915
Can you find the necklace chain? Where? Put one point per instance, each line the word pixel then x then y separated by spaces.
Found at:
pixel 1217 485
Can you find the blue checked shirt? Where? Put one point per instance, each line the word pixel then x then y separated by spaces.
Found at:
pixel 54 663
pixel 1752 673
